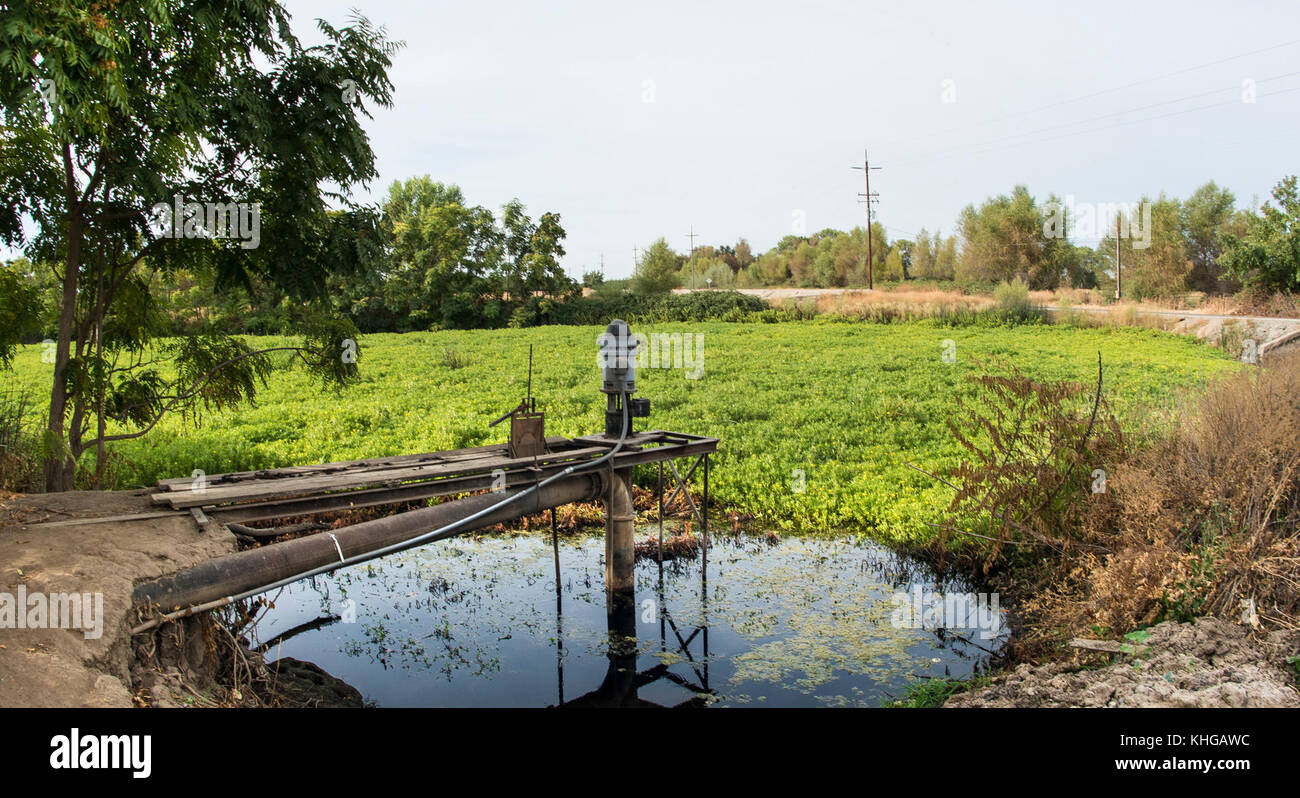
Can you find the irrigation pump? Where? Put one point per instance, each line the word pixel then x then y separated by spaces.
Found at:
pixel 617 356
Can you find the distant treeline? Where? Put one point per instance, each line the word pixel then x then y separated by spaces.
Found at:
pixel 449 264
pixel 1167 247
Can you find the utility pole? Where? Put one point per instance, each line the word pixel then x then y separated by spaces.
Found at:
pixel 1118 278
pixel 602 265
pixel 635 258
pixel 691 235
pixel 866 168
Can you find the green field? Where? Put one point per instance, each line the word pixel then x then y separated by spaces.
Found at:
pixel 847 404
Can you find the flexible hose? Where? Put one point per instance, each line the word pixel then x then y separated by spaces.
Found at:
pixel 440 533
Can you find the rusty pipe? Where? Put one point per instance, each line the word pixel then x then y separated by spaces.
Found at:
pixel 238 573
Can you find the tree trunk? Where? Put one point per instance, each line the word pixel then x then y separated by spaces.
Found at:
pixel 59 464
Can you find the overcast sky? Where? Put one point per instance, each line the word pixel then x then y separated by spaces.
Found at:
pixel 635 121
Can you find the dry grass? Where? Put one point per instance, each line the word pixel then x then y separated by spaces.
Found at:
pixel 1201 519
pixel 900 303
pixel 1206 522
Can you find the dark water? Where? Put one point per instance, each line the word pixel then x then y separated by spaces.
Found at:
pixel 803 622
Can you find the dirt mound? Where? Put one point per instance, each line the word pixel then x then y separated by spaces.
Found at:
pixel 1209 663
pixel 46 547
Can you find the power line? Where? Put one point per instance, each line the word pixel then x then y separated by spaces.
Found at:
pixel 1111 90
pixel 963 148
pixel 1130 122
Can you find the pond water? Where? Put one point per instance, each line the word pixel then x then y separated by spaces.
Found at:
pixel 798 622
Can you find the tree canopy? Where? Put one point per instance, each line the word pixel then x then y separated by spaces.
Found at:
pixel 193 134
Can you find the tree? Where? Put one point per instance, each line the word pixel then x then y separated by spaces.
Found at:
pixel 923 254
pixel 744 256
pixel 879 252
pixel 183 134
pixel 1005 238
pixel 443 256
pixel 20 309
pixel 533 252
pixel 945 258
pixel 456 265
pixel 657 271
pixel 1208 211
pixel 894 270
pixel 1267 255
pixel 800 263
pixel 1160 267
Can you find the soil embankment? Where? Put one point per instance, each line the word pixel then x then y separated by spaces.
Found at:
pixel 104 543
pixel 1209 663
pixel 47 547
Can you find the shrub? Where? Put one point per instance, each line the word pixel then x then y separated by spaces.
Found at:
pixel 1206 521
pixel 635 308
pixel 1034 448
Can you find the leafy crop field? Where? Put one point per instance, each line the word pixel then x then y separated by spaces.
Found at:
pixel 817 419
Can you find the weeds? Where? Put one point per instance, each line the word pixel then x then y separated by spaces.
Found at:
pixel 927 693
pixel 454 359
pixel 19 443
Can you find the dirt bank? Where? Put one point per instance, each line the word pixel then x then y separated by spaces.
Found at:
pixel 42 550
pixel 1209 663
pixel 88 542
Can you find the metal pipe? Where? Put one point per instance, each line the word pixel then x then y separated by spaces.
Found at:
pixel 620 554
pixel 456 527
pixel 235 573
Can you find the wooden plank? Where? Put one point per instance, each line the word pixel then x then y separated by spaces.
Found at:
pixel 200 519
pixel 352 499
pixel 184 483
pixel 301 486
pixel 411 491
pixel 110 519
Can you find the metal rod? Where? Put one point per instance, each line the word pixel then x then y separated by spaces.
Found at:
pixel 559 609
pixel 681 488
pixel 704 574
pixel 661 520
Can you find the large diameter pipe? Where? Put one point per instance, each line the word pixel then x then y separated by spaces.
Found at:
pixel 236 573
pixel 620 553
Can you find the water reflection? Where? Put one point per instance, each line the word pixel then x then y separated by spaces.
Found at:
pixel 804 622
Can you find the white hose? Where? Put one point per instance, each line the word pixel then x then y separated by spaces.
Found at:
pixel 447 531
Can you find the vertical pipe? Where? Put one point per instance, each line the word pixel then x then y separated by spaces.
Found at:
pixel 619 552
pixel 620 595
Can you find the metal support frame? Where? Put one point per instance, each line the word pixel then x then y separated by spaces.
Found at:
pixel 700 667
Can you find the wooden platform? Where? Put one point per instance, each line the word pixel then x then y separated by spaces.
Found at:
pixel 299 490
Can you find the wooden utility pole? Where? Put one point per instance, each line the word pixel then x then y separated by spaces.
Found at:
pixel 691 235
pixel 1118 278
pixel 866 168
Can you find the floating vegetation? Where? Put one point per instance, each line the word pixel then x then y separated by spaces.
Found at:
pixel 799 622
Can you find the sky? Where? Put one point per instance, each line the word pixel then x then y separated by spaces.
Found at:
pixel 635 121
